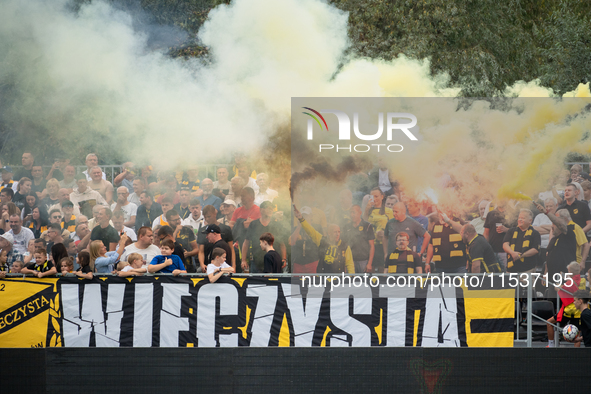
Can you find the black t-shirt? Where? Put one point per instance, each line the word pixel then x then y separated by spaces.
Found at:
pixel 522 241
pixel 85 270
pixel 272 262
pixel 183 212
pixel 107 235
pixel 253 234
pixel 22 172
pixel 495 239
pixel 226 235
pixel 305 250
pixel 586 327
pixel 579 212
pixel 48 202
pixel 358 238
pixel 480 250
pixel 179 251
pixel 42 267
pixel 562 250
pixel 184 239
pixel 40 187
pixel 19 200
pixel 219 244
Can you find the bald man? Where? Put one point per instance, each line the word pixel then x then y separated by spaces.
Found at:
pixel 122 204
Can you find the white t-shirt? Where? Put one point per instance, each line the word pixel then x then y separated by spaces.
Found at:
pixel 212 268
pixel 541 220
pixel 384 180
pixel 129 210
pixel 21 240
pixel 197 225
pixel 134 198
pixel 267 195
pixel 148 254
pixel 129 268
pixel 252 183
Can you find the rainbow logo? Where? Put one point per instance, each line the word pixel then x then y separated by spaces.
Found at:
pixel 315 118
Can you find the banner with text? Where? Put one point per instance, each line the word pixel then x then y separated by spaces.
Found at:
pixel 163 311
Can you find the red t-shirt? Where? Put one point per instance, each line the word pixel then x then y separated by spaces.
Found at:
pixel 242 213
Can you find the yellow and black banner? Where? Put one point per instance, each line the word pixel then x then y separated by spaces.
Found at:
pixel 165 311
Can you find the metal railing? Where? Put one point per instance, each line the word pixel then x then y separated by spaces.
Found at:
pixel 529 295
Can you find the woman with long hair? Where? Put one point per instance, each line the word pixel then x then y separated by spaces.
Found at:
pixel 85 270
pixel 38 221
pixel 31 201
pixel 378 215
pixel 58 252
pixel 102 261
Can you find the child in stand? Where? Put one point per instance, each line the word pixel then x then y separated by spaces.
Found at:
pixel 67 265
pixel 41 267
pixel 272 261
pixel 85 270
pixel 17 267
pixel 218 265
pixel 135 266
pixel 167 263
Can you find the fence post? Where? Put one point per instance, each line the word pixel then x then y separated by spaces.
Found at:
pixel 529 310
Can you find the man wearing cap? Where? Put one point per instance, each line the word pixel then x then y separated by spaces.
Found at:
pixel 6 242
pixel 214 240
pixel 257 228
pixel 28 161
pixel 209 217
pixel 84 197
pixel 207 198
pixel 7 179
pixel 129 209
pixel 21 236
pixel 227 209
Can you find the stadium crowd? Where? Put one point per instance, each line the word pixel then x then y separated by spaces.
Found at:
pixel 58 221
